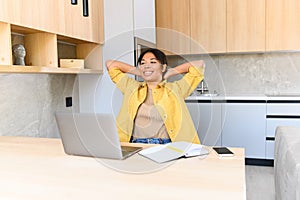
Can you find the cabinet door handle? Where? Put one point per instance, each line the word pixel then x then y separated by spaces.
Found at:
pixel 74 2
pixel 85 8
pixel 283 116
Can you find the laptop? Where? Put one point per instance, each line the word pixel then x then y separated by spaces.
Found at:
pixel 92 135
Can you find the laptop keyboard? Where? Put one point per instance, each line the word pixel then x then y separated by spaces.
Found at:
pixel 126 150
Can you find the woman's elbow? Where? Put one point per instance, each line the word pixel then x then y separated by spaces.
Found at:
pixel 109 64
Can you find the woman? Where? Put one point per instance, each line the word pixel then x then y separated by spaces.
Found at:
pixel 154 111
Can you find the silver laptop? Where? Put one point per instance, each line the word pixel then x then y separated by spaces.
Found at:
pixel 91 134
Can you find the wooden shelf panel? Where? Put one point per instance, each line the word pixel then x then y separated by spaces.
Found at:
pixel 45 49
pixel 45 70
pixel 5 41
pixel 25 31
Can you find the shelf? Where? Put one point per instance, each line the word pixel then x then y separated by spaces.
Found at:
pixel 46 70
pixel 34 25
pixel 44 50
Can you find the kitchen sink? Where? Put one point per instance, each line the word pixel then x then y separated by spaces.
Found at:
pixel 209 95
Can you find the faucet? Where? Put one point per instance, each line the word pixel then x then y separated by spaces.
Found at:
pixel 203 87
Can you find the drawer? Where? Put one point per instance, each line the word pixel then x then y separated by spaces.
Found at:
pixel 270 149
pixel 283 109
pixel 272 123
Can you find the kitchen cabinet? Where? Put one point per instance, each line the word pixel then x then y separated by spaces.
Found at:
pixel 211 26
pixel 232 123
pixel 5 39
pixel 56 16
pixel 218 26
pixel 280 113
pixel 282 25
pixel 245 25
pixel 208 26
pixel 34 24
pixel 173 26
pixel 87 28
pixel 244 124
pixel 191 26
pixel 206 116
pixel 38 14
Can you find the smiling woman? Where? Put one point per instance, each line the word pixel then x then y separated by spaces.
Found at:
pixel 154 111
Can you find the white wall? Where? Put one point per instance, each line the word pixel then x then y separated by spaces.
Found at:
pixel 123 19
pixel 118 45
pixel 97 94
pixel 144 19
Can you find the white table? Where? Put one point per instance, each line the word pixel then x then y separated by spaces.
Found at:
pixel 38 168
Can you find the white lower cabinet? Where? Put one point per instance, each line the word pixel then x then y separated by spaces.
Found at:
pixel 250 124
pixel 244 124
pixel 280 113
pixel 207 119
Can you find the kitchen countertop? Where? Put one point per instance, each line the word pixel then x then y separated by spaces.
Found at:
pixel 247 97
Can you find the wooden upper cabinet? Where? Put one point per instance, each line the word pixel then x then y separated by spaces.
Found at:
pixel 38 14
pixel 208 26
pixel 56 16
pixel 246 25
pixel 282 25
pixel 173 25
pixel 218 26
pixel 5 41
pixel 88 28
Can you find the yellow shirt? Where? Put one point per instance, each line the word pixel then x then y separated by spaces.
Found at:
pixel 168 98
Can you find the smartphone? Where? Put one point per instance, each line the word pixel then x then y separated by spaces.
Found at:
pixel 223 151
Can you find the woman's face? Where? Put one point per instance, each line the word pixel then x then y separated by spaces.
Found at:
pixel 151 68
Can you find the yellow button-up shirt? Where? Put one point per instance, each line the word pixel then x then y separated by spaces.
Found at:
pixel 168 98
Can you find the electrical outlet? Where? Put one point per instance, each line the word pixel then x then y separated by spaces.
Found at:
pixel 68 101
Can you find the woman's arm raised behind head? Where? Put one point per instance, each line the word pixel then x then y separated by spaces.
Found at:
pixel 183 68
pixel 124 67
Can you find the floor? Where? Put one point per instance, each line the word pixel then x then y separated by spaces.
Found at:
pixel 260 183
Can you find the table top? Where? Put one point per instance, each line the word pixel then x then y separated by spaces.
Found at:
pixel 38 168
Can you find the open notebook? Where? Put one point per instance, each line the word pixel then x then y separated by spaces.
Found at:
pixel 174 150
